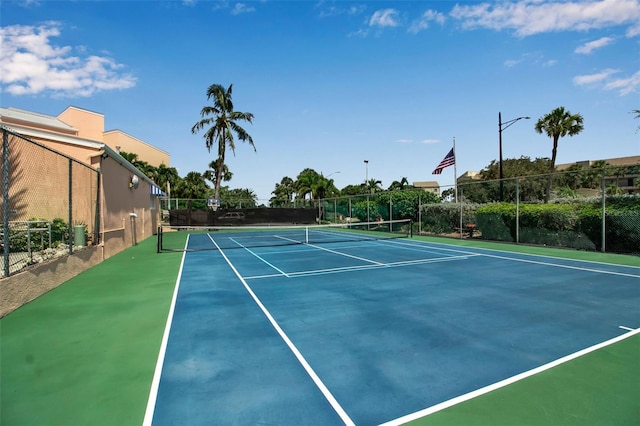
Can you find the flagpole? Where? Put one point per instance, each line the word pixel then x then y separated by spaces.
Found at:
pixel 455 171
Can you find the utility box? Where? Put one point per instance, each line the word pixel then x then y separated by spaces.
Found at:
pixel 79 239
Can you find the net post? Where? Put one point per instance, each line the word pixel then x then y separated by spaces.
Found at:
pixel 159 239
pixel 306 235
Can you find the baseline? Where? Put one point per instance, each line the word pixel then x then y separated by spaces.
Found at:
pixel 462 398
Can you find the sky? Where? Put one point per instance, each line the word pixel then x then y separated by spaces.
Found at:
pixel 351 89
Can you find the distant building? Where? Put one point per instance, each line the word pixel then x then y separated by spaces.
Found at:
pixel 469 175
pixel 627 182
pixel 429 186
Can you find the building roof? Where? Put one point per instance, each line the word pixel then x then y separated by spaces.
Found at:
pixel 19 116
pixel 427 184
pixel 619 161
pixel 99 147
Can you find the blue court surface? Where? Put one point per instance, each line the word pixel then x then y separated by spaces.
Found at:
pixel 370 332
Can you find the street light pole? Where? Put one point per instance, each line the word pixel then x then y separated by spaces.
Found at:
pixel 501 127
pixel 366 176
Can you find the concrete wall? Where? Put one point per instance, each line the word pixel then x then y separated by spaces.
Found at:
pixel 128 214
pixel 90 125
pixel 22 288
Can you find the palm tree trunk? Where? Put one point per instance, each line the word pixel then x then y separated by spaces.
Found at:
pixel 219 171
pixel 552 168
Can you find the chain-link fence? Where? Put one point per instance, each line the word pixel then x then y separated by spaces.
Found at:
pixel 585 210
pixel 589 209
pixel 49 203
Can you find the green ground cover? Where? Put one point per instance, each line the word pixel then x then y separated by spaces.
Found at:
pixel 84 353
pixel 599 388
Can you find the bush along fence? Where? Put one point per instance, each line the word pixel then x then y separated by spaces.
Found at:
pixel 49 203
pixel 601 222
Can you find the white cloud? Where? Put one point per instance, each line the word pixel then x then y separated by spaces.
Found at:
pixel 332 11
pixel 430 141
pixel 589 47
pixel 423 22
pixel 605 79
pixel 532 58
pixel 582 80
pixel 625 86
pixel 240 8
pixel 512 62
pixel 529 17
pixel 384 18
pixel 30 64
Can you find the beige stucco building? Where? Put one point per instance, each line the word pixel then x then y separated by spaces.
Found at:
pixel 429 186
pixel 126 207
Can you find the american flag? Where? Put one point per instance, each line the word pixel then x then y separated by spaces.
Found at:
pixel 449 160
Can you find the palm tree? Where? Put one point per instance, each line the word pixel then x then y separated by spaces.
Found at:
pixel 212 173
pixel 373 186
pixel 222 123
pixel 558 123
pixel 166 178
pixel 305 182
pixel 399 185
pixel 147 169
pixel 637 113
pixel 283 192
pixel 322 189
pixel 192 187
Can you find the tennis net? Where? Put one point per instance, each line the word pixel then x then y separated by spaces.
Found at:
pixel 182 238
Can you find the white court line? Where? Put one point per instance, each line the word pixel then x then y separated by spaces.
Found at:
pixel 335 252
pixel 503 383
pixel 155 383
pixel 316 379
pixel 626 328
pixel 579 268
pixel 358 268
pixel 255 254
pixel 364 259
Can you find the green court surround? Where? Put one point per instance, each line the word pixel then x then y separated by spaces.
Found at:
pixel 85 354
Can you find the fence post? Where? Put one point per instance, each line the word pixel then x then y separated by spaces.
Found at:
pixel 5 199
pixel 420 214
pixel 604 226
pixel 98 212
pixel 460 201
pixel 517 210
pixel 70 225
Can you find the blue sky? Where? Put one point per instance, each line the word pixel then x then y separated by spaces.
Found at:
pixel 334 83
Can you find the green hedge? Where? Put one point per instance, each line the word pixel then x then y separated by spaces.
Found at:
pixel 444 218
pixel 575 225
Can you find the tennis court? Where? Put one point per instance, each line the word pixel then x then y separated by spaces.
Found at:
pixel 340 326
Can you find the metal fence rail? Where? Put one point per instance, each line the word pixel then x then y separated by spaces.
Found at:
pixel 49 203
